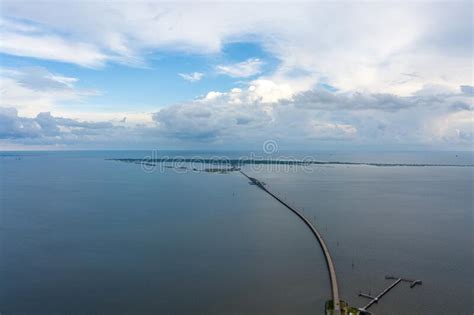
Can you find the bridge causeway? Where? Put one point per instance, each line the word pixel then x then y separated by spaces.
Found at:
pixel 322 243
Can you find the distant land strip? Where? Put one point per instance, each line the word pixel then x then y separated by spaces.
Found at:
pixel 246 161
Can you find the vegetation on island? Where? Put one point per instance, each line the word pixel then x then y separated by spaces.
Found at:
pixel 346 309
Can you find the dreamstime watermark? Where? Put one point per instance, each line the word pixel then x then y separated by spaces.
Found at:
pixel 269 161
pixel 270 147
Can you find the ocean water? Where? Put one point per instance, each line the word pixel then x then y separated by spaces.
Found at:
pixel 410 222
pixel 82 234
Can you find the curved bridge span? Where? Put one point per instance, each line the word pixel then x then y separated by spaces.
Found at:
pixel 327 256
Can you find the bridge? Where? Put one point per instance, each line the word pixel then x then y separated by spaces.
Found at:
pixel 327 256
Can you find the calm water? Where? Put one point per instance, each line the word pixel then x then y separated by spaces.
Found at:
pixel 82 234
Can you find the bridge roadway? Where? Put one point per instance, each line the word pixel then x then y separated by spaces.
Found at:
pixel 327 256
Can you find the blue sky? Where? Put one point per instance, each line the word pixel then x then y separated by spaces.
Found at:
pixel 310 75
pixel 157 82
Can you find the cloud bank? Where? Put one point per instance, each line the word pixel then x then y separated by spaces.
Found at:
pixel 239 116
pixel 353 46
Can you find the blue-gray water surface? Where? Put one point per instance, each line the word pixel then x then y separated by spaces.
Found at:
pixel 81 234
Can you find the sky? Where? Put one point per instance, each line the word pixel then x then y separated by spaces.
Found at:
pixel 232 75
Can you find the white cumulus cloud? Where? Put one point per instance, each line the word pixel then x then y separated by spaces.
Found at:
pixel 35 89
pixel 244 69
pixel 192 77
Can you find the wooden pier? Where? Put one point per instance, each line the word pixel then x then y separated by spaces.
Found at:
pixel 375 299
